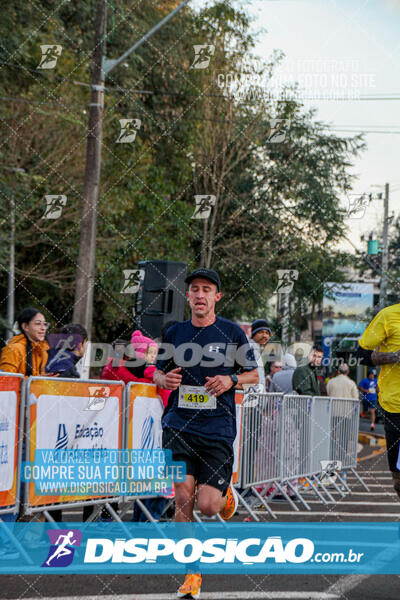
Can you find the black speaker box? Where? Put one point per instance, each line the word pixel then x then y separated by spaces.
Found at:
pixel 161 295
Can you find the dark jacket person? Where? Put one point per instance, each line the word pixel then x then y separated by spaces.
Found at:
pixel 305 378
pixel 67 348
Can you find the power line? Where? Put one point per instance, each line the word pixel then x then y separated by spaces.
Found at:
pixel 368 126
pixel 41 102
pixel 333 129
pixel 82 107
pixel 348 98
pixel 367 97
pixel 24 68
pixel 255 91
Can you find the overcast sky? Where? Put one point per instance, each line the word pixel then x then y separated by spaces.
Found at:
pixel 343 47
pixel 352 47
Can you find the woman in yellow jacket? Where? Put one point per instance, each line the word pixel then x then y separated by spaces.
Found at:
pixel 26 353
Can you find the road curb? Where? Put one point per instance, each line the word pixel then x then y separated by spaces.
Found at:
pixel 371 439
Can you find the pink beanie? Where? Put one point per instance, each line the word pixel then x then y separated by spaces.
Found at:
pixel 140 343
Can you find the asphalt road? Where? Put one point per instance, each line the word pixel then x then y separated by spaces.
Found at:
pixel 378 504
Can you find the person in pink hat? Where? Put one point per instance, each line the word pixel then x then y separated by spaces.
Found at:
pixel 145 350
pixel 144 347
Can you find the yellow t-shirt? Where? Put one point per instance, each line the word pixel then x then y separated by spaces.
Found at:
pixel 384 332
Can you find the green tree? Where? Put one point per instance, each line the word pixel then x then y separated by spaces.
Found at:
pixel 276 204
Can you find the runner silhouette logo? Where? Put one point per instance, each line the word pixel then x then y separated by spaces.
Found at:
pixel 60 552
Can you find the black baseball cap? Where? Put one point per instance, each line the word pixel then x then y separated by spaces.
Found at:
pixel 205 274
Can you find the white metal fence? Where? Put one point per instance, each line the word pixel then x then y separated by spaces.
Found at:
pixel 294 444
pixel 288 444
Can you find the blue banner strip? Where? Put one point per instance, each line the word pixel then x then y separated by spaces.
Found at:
pixel 239 548
pixel 102 472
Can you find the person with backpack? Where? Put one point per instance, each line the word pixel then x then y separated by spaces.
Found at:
pixel 66 349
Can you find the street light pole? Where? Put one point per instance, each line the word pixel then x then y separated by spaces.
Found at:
pixel 110 63
pixel 285 318
pixel 11 260
pixel 84 283
pixel 385 250
pixel 85 275
pixel 11 271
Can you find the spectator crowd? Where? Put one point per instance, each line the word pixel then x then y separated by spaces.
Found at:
pixel 36 352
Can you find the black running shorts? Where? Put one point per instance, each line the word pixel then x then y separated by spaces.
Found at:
pixel 210 461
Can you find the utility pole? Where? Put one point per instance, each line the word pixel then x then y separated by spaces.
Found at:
pixel 85 275
pixel 11 271
pixel 385 248
pixel 284 302
pixel 11 259
pixel 84 283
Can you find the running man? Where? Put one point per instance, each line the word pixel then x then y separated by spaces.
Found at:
pixel 199 423
pixel 384 333
pixel 369 386
pixel 63 540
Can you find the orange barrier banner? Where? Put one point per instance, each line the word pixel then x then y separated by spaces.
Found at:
pixel 72 414
pixel 145 412
pixel 10 402
pixel 237 444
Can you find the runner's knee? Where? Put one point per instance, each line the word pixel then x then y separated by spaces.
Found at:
pixel 208 506
pixel 184 494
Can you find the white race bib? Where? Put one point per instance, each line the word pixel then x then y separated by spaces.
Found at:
pixel 196 397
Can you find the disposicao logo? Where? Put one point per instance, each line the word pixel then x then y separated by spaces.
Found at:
pixel 62 547
pixel 189 550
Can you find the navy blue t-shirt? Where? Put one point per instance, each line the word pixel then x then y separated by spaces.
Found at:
pixel 219 349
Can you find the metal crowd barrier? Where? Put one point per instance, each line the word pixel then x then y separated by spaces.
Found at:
pixel 12 406
pixel 44 407
pixel 12 402
pixel 287 444
pixel 46 425
pixel 294 444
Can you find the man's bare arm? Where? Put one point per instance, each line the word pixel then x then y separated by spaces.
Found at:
pixel 159 378
pixel 248 377
pixel 385 358
pixel 373 358
pixel 221 383
pixel 243 380
pixel 170 380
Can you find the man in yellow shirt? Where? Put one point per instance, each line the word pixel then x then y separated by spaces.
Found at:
pixel 380 345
